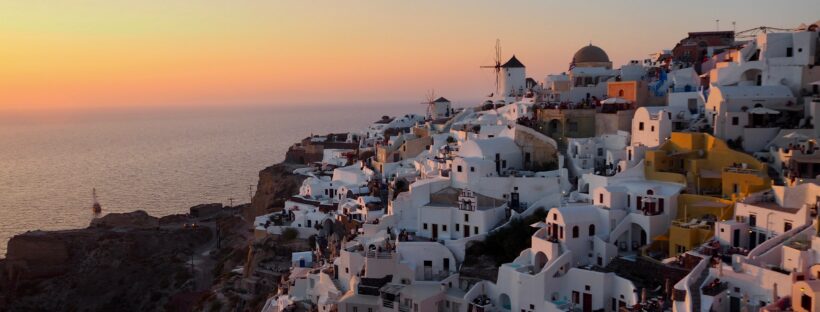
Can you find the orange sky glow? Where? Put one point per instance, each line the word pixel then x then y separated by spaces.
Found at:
pixel 65 55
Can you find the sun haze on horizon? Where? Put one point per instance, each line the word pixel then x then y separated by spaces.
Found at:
pixel 60 56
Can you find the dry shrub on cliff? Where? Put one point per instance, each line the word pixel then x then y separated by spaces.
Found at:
pixel 289 234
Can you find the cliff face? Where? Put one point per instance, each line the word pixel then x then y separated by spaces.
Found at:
pixel 276 184
pixel 117 267
pixel 137 262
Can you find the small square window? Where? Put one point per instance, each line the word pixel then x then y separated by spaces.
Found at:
pixel 735 121
pixel 424 226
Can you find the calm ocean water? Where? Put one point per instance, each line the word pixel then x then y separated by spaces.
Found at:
pixel 160 162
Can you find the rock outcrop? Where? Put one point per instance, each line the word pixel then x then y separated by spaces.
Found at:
pixel 276 184
pixel 123 262
pixel 130 220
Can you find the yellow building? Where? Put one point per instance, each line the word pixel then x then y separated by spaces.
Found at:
pixel 715 177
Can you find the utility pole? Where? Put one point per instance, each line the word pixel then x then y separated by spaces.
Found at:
pixel 231 201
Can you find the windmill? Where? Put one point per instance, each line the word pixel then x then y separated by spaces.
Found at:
pixel 497 66
pixel 431 103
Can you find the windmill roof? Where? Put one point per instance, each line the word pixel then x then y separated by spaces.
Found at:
pixel 441 100
pixel 512 63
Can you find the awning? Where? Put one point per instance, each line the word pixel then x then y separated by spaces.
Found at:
pixel 615 100
pixel 538 225
pixel 763 111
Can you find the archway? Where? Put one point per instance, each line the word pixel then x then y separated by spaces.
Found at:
pixel 554 126
pixel 540 261
pixel 504 299
pixel 755 76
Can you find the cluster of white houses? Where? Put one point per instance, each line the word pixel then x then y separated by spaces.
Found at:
pixel 683 182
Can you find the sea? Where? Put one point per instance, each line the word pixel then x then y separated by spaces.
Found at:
pixel 159 160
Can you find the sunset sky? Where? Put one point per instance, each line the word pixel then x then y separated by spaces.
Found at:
pixel 66 55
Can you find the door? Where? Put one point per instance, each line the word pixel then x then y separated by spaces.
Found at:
pixel 466 230
pixel 428 270
pixel 514 202
pixel 587 302
pixel 734 304
pixel 435 231
pixel 736 238
pixel 555 230
pixel 752 240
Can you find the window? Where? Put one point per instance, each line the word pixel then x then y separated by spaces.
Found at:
pixel 458 227
pixel 620 93
pixel 444 228
pixel 561 232
pixel 669 114
pixel 652 129
pixel 475 230
pixel 601 198
pixel 459 168
pixel 554 216
pixel 787 226
pixel 424 226
pixel 575 231
pixel 466 218
pixel 472 169
pixel 752 220
pixel 355 309
pixel 734 188
pixel 680 249
pixel 600 152
pixel 735 121
pixel 640 126
pixel 591 229
pixel 789 52
pixel 628 200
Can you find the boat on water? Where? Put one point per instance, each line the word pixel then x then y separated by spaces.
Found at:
pixel 96 206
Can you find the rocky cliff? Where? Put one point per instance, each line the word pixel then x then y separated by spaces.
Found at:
pixel 118 263
pixel 137 262
pixel 276 184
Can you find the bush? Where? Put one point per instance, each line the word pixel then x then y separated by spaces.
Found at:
pixel 290 234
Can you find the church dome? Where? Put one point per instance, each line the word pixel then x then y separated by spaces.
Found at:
pixel 591 54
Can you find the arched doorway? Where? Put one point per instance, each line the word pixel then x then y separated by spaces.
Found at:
pixel 540 261
pixel 554 126
pixel 755 76
pixel 504 299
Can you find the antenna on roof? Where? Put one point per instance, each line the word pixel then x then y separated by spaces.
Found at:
pixel 497 65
